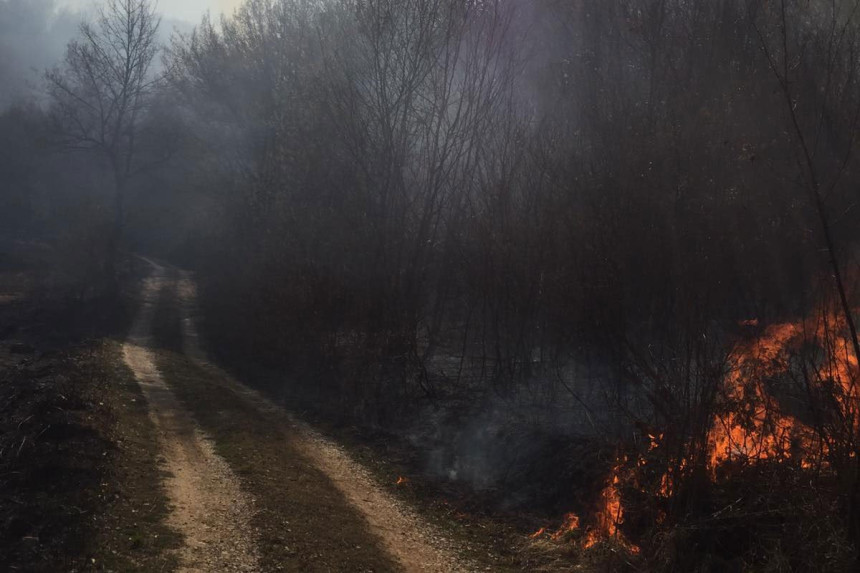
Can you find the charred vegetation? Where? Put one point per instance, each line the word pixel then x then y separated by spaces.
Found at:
pixel 591 268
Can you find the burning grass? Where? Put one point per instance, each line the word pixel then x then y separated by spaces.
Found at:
pixel 785 416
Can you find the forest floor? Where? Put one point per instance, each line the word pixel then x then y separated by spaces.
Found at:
pixel 80 472
pixel 121 453
pixel 287 498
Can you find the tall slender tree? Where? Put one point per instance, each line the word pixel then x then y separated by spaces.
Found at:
pixel 100 92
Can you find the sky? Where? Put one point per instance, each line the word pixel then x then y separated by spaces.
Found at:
pixel 184 10
pixel 34 33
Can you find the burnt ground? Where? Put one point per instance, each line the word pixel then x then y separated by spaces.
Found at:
pixel 491 534
pixel 80 485
pixel 304 521
pixel 267 458
pixel 82 479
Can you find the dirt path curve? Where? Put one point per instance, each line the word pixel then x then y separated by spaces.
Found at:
pixel 209 507
pixel 415 544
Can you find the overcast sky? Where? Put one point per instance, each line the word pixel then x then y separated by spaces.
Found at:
pixel 34 33
pixel 187 10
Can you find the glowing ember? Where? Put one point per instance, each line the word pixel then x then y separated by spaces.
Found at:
pixel 668 480
pixel 402 481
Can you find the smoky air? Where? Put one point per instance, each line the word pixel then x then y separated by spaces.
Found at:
pixel 429 285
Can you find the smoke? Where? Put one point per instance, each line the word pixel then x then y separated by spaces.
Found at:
pixel 515 447
pixel 33 36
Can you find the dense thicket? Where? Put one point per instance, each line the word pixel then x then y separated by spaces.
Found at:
pixel 403 181
pixel 564 212
pixel 561 216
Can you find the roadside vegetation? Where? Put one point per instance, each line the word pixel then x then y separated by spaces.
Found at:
pixel 594 264
pixel 302 522
pixel 80 485
pixel 587 269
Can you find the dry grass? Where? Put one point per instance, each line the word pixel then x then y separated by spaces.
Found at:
pixel 78 472
pixel 80 485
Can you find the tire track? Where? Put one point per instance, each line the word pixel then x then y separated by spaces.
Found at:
pixel 209 507
pixel 414 543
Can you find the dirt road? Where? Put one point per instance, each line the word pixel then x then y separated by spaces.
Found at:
pixel 209 507
pixel 214 509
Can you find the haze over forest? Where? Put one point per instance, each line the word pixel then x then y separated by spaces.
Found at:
pixel 444 285
pixel 34 34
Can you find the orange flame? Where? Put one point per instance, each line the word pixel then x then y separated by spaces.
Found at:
pixel 538 533
pixel 610 514
pixel 753 426
pixel 570 523
pixel 608 517
pixel 402 481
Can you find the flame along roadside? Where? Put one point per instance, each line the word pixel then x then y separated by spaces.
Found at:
pixel 755 429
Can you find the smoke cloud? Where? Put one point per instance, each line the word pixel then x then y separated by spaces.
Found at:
pixel 33 35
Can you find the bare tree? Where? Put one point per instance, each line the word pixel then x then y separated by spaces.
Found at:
pixel 837 49
pixel 101 91
pixel 817 42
